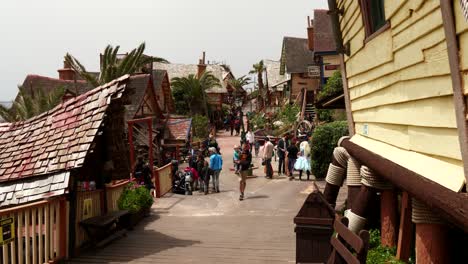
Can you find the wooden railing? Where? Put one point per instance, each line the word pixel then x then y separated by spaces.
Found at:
pixel 97 199
pixel 113 193
pixel 40 231
pixel 162 180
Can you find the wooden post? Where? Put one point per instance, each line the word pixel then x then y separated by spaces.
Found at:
pixel 406 229
pixel 388 216
pixel 63 243
pixel 432 243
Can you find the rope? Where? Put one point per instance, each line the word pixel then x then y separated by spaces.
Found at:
pixel 353 174
pixel 342 156
pixel 341 140
pixel 370 179
pixel 421 214
pixel 335 175
pixel 356 222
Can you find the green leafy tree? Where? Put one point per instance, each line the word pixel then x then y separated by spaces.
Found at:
pixel 192 90
pixel 259 68
pixel 113 67
pixel 333 86
pixel 28 105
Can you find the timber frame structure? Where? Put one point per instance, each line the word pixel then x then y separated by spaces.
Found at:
pixel 397 147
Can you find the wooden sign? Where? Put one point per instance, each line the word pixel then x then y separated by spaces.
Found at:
pixel 7 230
pixel 313 71
pixel 87 208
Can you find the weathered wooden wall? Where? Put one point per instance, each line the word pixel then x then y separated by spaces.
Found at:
pixel 399 82
pixel 298 81
pixel 461 26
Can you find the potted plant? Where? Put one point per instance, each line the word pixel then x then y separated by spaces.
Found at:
pixel 137 200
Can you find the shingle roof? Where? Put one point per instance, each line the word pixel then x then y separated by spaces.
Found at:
pixel 273 72
pixel 138 84
pixel 323 32
pixel 57 140
pixel 179 129
pixel 33 189
pixel 164 93
pixel 47 84
pixel 296 55
pixel 184 70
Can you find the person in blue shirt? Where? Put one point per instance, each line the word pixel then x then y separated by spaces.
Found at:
pixel 216 165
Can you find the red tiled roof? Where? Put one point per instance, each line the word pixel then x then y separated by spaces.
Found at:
pixel 323 32
pixel 57 140
pixel 179 129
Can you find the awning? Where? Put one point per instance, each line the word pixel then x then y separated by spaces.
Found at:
pixel 444 173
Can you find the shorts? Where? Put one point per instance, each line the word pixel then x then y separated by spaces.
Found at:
pixel 243 175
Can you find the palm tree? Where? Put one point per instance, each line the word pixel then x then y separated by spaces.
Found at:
pixel 259 68
pixel 113 67
pixel 28 105
pixel 239 84
pixel 194 87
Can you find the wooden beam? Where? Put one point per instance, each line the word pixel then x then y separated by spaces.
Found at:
pixel 349 113
pixel 450 205
pixel 458 96
pixel 405 232
pixel 389 220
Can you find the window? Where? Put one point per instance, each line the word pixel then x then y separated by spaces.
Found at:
pixel 373 13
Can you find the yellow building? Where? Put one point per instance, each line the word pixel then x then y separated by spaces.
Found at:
pixel 405 71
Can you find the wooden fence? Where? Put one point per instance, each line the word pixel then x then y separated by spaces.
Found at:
pixel 40 231
pixel 113 193
pixel 95 199
pixel 163 180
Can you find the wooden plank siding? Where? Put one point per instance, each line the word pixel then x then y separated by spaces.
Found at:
pixel 399 82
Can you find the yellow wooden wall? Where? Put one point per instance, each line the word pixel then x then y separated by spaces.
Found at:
pixel 400 85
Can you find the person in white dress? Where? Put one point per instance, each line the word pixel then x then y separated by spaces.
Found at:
pixel 303 161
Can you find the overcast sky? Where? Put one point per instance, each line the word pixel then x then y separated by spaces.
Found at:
pixel 35 35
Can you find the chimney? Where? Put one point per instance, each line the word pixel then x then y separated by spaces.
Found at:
pixel 310 33
pixel 67 73
pixel 201 66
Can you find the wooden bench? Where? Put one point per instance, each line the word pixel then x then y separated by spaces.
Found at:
pixel 104 228
pixel 347 246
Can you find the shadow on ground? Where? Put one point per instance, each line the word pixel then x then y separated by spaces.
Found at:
pixel 140 242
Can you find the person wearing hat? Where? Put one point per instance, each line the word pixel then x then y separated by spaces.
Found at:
pixel 267 155
pixel 244 166
pixel 236 158
pixel 216 165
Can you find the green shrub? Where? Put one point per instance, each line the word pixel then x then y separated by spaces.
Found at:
pixel 134 198
pixel 325 115
pixel 258 121
pixel 377 253
pixel 200 125
pixel 288 114
pixel 324 140
pixel 333 86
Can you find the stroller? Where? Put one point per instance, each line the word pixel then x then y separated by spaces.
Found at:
pixel 183 182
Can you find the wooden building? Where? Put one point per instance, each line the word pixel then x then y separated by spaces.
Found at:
pixel 274 82
pixel 404 67
pixel 299 67
pixel 45 159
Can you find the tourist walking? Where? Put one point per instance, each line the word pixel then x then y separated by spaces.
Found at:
pixel 303 163
pixel 267 155
pixel 245 161
pixel 250 137
pixel 216 165
pixel 281 150
pixel 292 151
pixel 203 173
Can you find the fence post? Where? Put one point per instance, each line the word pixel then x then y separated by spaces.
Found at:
pixel 63 243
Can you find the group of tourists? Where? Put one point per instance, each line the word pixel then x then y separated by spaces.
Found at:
pixel 205 164
pixel 234 121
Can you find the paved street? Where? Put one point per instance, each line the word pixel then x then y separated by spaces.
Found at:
pixel 216 228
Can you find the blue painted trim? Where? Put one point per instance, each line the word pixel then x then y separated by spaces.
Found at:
pixel 325 52
pixel 322 71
